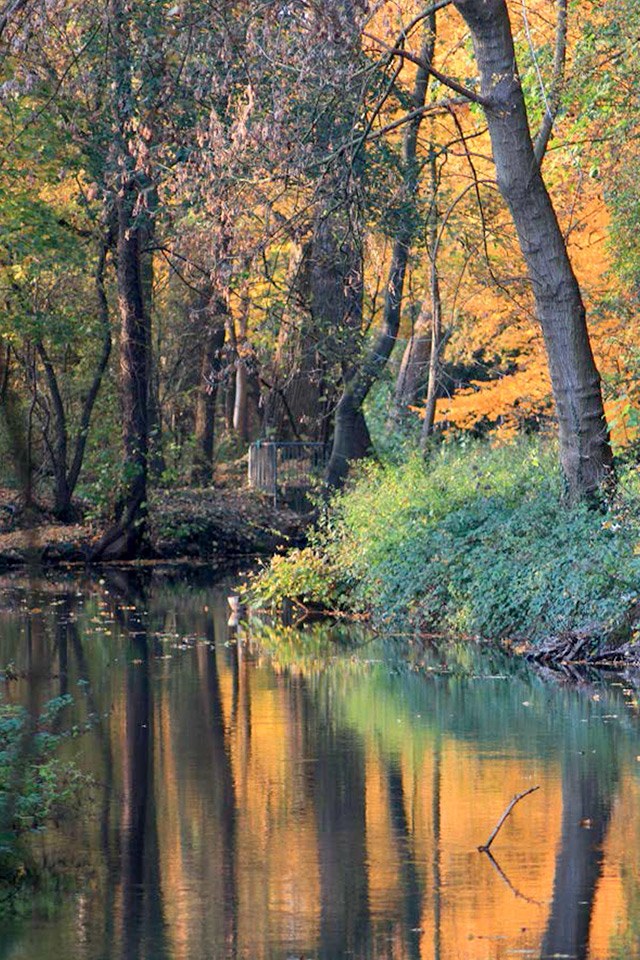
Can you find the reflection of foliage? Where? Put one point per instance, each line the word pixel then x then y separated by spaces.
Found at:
pixel 405 694
pixel 48 788
pixel 314 645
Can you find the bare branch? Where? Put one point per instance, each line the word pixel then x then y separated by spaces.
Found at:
pixel 484 848
pixel 552 104
pixel 441 77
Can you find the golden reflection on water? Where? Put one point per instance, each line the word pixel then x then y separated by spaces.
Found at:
pixel 325 806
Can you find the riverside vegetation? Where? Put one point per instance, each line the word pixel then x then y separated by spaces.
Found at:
pixel 474 540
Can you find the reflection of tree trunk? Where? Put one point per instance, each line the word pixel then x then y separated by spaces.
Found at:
pixel 225 797
pixel 410 881
pixel 437 869
pixel 140 868
pixel 586 810
pixel 340 805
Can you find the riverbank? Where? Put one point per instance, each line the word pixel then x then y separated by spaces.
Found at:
pixel 194 524
pixel 476 542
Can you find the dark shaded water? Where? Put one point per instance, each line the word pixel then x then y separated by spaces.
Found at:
pixel 285 795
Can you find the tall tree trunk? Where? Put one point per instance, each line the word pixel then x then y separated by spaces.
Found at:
pixel 348 433
pixel 57 447
pixel 66 476
pixel 212 337
pixel 293 408
pixel 124 539
pixel 157 464
pixel 585 450
pixel 241 404
pixel 414 368
pixel 437 338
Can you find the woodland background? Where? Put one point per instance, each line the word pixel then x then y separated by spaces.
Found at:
pixel 228 221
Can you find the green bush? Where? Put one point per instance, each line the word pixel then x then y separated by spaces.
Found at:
pixel 304 575
pixel 476 540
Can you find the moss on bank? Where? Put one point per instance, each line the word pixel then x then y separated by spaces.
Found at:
pixel 474 541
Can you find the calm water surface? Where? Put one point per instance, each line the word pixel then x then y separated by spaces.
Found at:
pixel 291 794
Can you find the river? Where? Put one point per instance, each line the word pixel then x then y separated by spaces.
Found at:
pixel 282 792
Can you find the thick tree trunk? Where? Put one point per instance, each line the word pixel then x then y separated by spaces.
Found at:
pixel 348 438
pixel 585 451
pixel 351 440
pixel 294 409
pixel 213 341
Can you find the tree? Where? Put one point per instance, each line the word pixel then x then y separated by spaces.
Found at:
pixel 585 450
pixel 347 439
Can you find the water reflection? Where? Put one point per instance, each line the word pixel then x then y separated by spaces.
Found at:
pixel 274 796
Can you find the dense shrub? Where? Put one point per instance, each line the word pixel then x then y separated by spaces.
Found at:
pixel 476 540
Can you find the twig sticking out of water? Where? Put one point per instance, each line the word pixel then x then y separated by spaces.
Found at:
pixel 484 848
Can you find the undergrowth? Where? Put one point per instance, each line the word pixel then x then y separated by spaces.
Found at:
pixel 475 540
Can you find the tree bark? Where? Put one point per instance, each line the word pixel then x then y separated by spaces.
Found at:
pixel 585 450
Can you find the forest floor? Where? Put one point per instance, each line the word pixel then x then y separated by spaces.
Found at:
pixel 205 524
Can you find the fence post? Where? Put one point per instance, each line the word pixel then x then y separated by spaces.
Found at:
pixel 274 447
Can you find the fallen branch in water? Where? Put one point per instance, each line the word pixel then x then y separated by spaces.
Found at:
pixel 520 796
